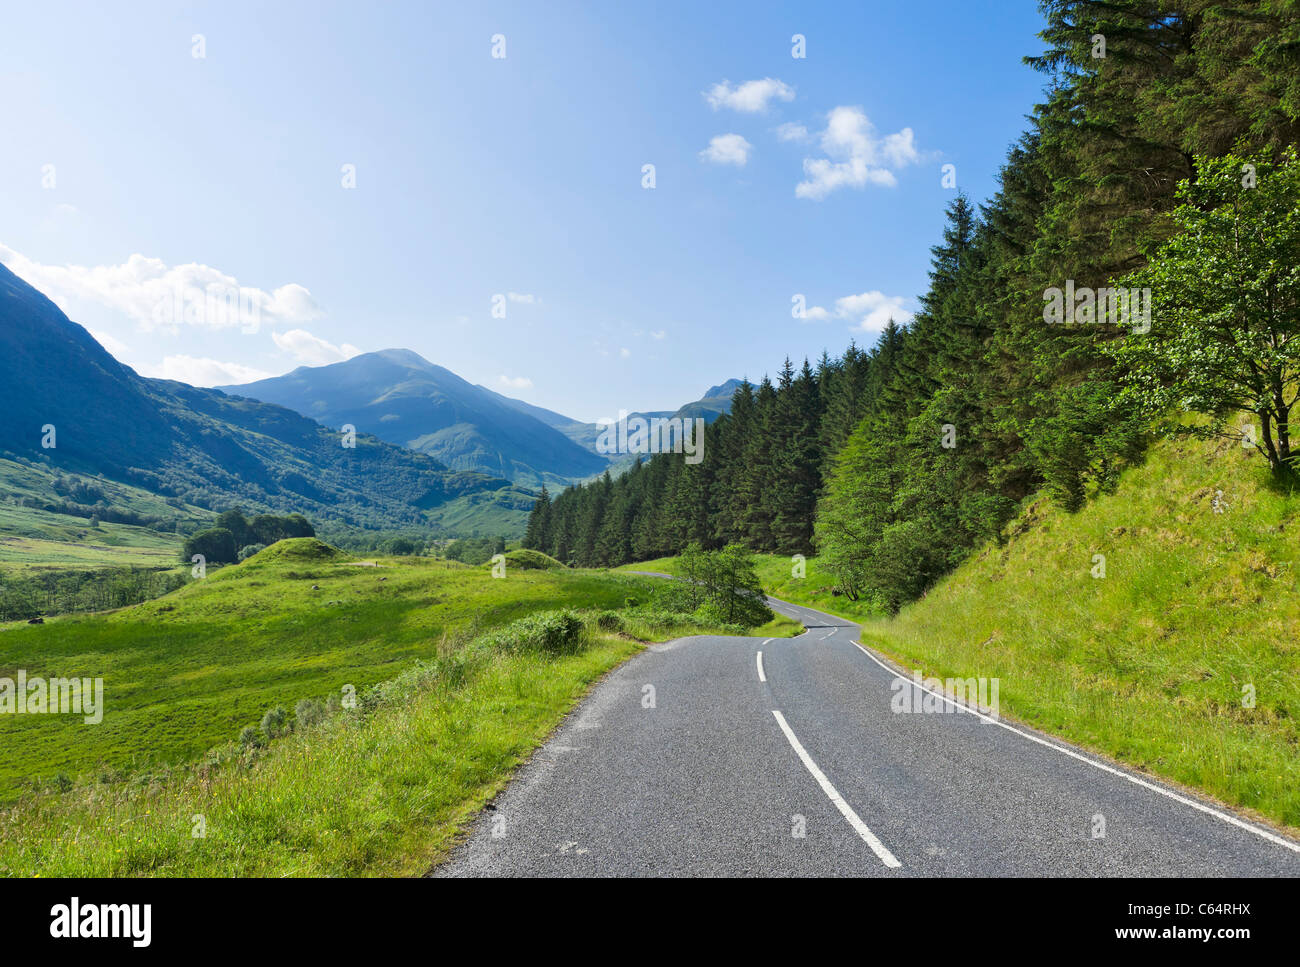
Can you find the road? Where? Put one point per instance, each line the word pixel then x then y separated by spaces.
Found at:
pixel 698 758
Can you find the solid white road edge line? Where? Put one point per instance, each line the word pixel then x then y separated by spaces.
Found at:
pixel 1168 793
pixel 761 676
pixel 845 809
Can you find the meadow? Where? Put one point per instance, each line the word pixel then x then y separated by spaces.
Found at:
pixel 442 715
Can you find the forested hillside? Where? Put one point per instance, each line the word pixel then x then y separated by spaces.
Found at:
pixel 1157 160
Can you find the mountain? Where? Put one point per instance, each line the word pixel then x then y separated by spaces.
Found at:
pixel 715 402
pixel 69 404
pixel 404 399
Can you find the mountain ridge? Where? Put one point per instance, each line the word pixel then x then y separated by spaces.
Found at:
pixel 70 404
pixel 403 398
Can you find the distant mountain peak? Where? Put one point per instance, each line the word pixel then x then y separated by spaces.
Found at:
pixel 404 357
pixel 722 389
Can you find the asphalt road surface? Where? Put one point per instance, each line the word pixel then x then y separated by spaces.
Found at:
pixel 698 758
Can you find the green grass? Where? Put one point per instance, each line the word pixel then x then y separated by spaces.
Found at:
pixel 1146 665
pixel 382 789
pixel 378 794
pixel 188 670
pixel 32 537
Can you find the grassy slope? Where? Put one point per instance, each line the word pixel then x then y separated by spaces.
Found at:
pixel 36 538
pixel 378 793
pixel 384 794
pixel 186 671
pixel 1147 664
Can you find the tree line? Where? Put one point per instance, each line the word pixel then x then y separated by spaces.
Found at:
pixel 234 537
pixel 1159 159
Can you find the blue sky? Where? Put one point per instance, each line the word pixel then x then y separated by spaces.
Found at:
pixel 136 172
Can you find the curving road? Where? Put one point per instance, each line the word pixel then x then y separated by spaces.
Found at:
pixel 698 758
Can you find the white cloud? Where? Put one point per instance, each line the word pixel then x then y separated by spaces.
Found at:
pixel 750 97
pixel 203 372
pixel 855 156
pixel 156 295
pixel 515 382
pixel 658 334
pixel 872 310
pixel 792 131
pixel 312 350
pixel 727 149
pixel 625 352
pixel 116 348
pixel 526 297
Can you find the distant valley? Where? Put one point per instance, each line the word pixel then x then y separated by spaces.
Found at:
pixel 402 398
pixel 88 439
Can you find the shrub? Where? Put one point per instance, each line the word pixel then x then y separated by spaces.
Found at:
pixel 609 621
pixel 548 631
pixel 308 712
pixel 249 550
pixel 275 722
pixel 248 736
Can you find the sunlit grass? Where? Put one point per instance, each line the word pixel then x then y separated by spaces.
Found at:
pixel 379 789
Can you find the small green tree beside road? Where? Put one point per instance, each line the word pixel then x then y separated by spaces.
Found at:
pixel 1225 332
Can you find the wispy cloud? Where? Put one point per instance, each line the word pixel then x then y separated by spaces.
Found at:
pixel 751 97
pixel 515 382
pixel 727 149
pixel 792 131
pixel 116 348
pixel 855 156
pixel 203 372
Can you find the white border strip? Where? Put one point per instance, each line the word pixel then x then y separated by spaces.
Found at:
pixel 1208 810
pixel 845 809
pixel 761 676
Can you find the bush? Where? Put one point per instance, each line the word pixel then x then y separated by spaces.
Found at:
pixel 248 736
pixel 249 550
pixel 609 621
pixel 275 723
pixel 308 712
pixel 552 632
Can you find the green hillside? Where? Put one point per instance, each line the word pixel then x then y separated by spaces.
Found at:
pixel 72 408
pixel 186 671
pixel 1148 664
pixel 451 695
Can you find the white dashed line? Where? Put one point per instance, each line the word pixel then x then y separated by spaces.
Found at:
pixel 761 676
pixel 845 809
